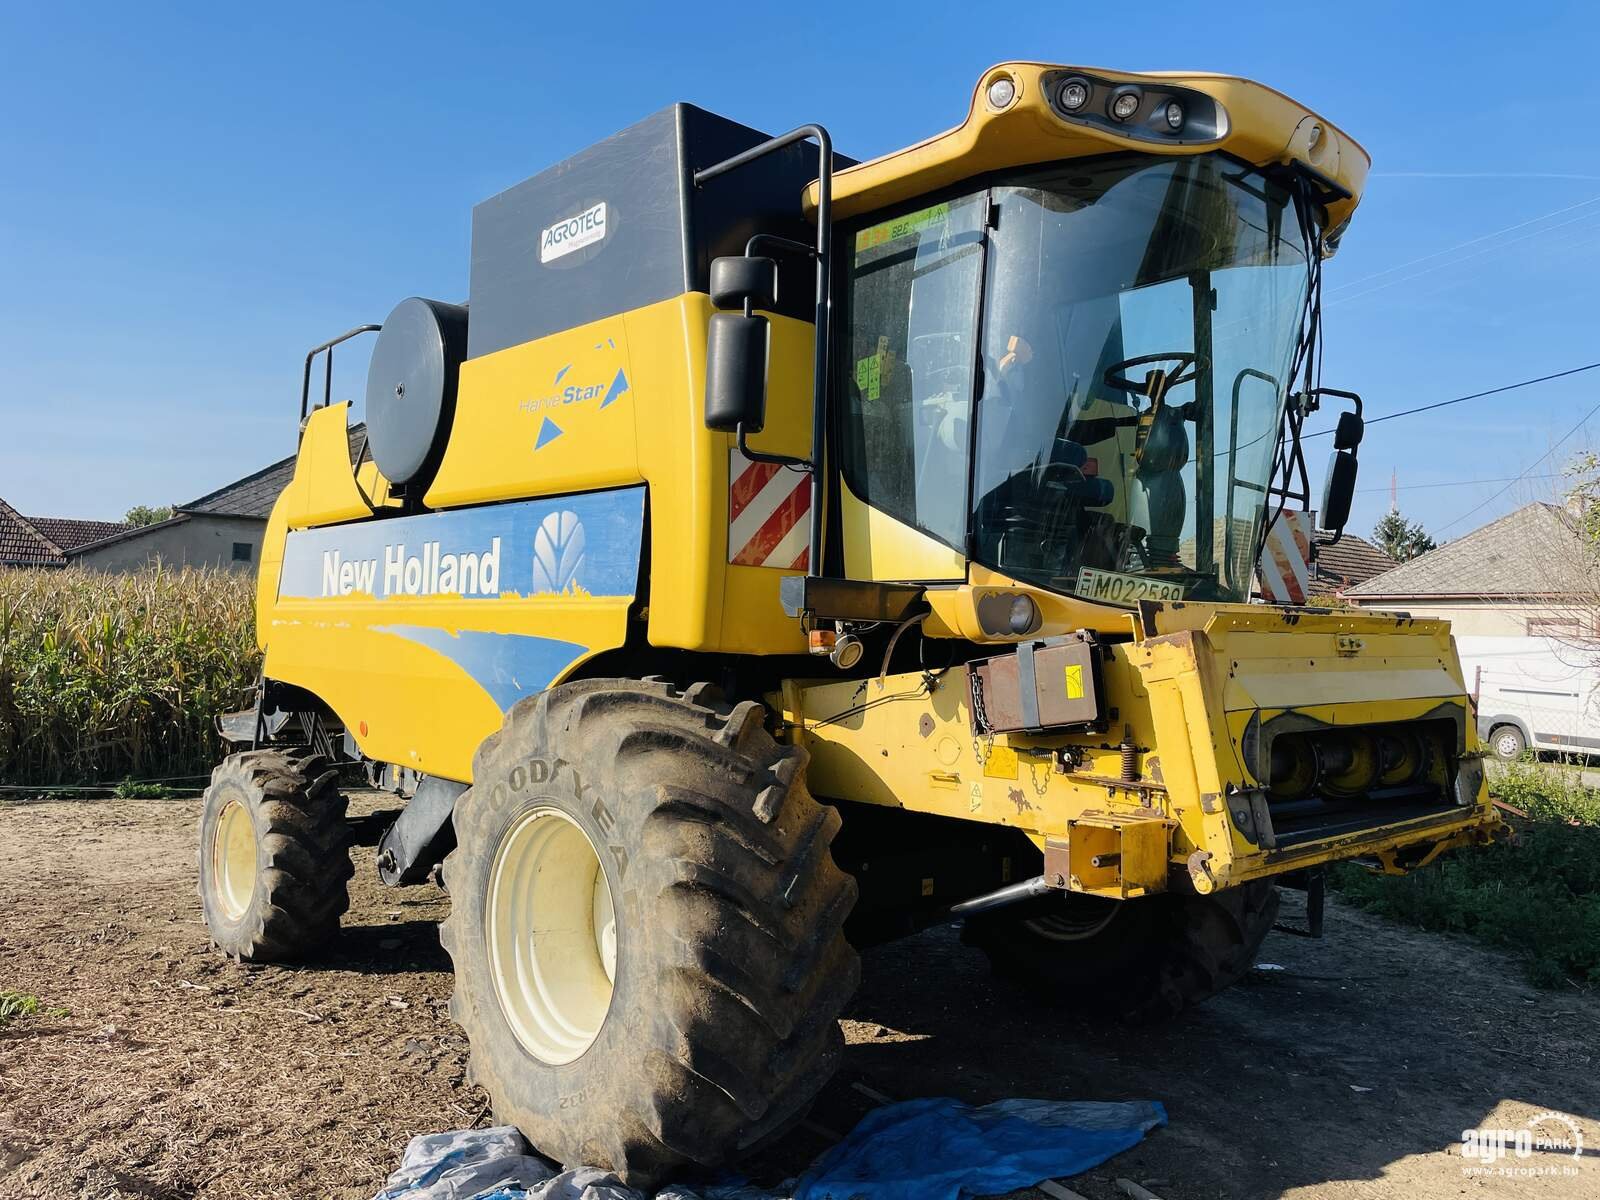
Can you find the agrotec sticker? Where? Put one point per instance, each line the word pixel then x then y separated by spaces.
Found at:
pixel 574 233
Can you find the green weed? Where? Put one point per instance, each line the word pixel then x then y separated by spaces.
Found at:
pixel 1546 793
pixel 1537 897
pixel 19 1004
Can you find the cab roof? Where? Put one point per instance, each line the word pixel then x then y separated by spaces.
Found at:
pixel 1222 112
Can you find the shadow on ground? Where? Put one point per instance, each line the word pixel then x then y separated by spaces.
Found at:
pixel 1358 1062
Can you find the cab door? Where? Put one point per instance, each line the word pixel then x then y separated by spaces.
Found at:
pixel 910 312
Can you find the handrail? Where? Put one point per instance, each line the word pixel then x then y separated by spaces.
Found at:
pixel 327 385
pixel 1234 482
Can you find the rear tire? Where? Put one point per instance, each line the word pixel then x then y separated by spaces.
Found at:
pixel 274 855
pixel 1138 960
pixel 1507 743
pixel 646 925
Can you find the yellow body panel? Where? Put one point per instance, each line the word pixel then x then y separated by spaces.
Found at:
pixel 406 703
pixel 323 489
pixel 415 704
pixel 578 388
pixel 1263 126
pixel 650 432
pixel 877 546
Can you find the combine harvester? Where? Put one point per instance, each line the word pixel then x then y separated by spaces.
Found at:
pixel 781 554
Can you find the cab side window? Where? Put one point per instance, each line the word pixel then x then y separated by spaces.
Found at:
pixel 913 297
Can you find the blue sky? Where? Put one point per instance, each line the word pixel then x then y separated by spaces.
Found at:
pixel 190 197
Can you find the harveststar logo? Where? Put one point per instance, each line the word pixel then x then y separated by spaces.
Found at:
pixel 429 572
pixel 603 386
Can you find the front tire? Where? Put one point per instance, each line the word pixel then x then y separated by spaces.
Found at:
pixel 1139 960
pixel 274 855
pixel 646 925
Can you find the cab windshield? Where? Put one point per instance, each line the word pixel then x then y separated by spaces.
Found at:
pixel 1107 427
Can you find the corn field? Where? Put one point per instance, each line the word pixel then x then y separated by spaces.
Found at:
pixel 105 677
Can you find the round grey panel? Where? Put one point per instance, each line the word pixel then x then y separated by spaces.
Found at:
pixel 411 387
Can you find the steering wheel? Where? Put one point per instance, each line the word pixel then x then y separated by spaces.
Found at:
pixel 1157 386
pixel 1186 367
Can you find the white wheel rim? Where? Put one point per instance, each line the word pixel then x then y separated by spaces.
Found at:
pixel 1508 745
pixel 551 930
pixel 233 859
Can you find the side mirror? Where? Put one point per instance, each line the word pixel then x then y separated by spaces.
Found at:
pixel 1348 432
pixel 736 373
pixel 736 344
pixel 1338 492
pixel 744 282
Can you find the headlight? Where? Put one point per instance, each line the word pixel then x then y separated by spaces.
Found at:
pixel 1024 614
pixel 1124 103
pixel 1002 92
pixel 1174 116
pixel 1074 94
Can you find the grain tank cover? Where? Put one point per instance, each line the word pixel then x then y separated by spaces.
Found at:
pixel 621 225
pixel 411 388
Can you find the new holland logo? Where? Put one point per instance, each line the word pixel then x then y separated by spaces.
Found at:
pixel 430 572
pixel 558 552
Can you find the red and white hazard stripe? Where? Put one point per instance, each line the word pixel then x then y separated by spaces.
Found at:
pixel 1284 572
pixel 768 511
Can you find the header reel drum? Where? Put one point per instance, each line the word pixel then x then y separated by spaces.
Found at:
pixel 411 391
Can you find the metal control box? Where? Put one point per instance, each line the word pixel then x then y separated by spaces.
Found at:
pixel 1052 684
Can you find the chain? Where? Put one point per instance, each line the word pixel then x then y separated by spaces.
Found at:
pixel 980 719
pixel 1039 789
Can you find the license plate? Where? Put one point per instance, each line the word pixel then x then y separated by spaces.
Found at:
pixel 1125 589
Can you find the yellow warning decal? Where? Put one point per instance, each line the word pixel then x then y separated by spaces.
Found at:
pixel 1001 763
pixel 890 231
pixel 1075 682
pixel 869 376
pixel 873 371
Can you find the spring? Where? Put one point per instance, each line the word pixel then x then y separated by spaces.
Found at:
pixel 1130 757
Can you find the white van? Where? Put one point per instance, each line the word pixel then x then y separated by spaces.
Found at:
pixel 1534 693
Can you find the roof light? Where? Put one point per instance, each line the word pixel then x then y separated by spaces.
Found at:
pixel 1074 94
pixel 1002 92
pixel 1124 104
pixel 1174 116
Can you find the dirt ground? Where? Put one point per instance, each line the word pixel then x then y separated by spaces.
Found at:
pixel 1347 1069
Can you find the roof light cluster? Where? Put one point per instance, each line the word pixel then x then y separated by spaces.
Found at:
pixel 1134 110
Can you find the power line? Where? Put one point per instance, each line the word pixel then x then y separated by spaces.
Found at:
pixel 1411 487
pixel 1489 249
pixel 1343 287
pixel 1509 387
pixel 1584 421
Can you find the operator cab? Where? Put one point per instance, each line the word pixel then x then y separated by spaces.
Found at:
pixel 1073 340
pixel 1073 374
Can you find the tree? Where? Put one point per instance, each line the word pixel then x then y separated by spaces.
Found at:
pixel 1400 539
pixel 1583 501
pixel 143 514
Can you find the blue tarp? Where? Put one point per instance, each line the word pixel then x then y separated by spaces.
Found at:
pixel 941 1149
pixel 935 1149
